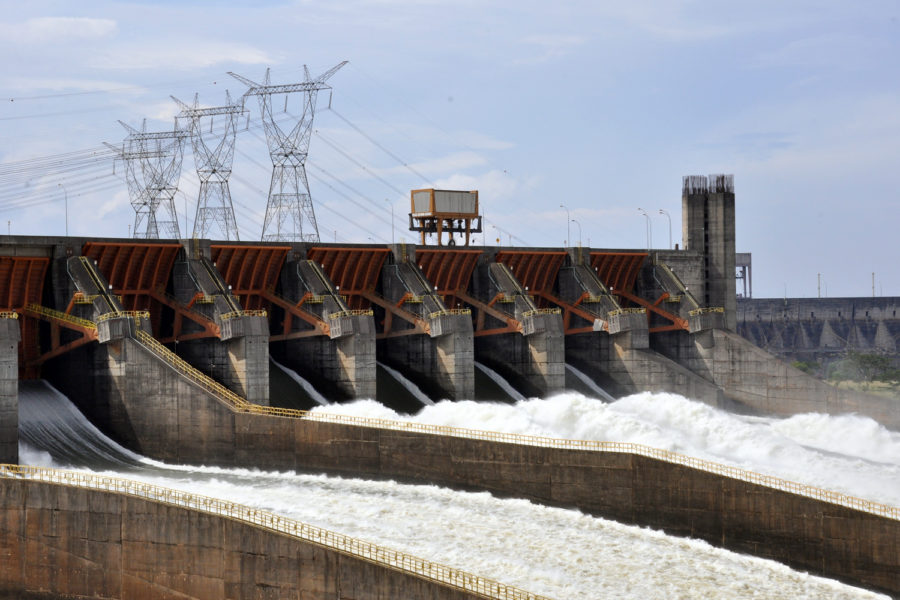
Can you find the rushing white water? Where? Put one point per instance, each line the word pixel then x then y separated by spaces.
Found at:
pixel 849 454
pixel 497 378
pixel 592 385
pixel 307 386
pixel 556 552
pixel 411 387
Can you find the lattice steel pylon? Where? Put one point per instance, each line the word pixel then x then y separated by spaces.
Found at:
pixel 152 168
pixel 213 164
pixel 289 205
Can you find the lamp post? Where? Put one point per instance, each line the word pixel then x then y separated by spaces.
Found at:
pixel 392 219
pixel 66 196
pixel 649 229
pixel 662 212
pixel 579 231
pixel 568 218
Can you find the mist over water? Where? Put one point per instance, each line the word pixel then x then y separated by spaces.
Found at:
pixel 849 454
pixel 556 552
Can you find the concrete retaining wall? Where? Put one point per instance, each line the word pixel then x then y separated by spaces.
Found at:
pixel 58 541
pixel 183 424
pixel 759 381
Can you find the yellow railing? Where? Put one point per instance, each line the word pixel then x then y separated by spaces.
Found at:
pixel 591 299
pixel 450 311
pixel 9 314
pixel 60 316
pixel 134 314
pixel 241 405
pixel 344 544
pixel 541 311
pixel 236 314
pixel 627 311
pixel 351 313
pixel 587 446
pixel 707 310
pixel 176 362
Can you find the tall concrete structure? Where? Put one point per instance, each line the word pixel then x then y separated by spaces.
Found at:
pixel 328 343
pixel 433 345
pixel 9 388
pixel 532 356
pixel 239 355
pixel 708 227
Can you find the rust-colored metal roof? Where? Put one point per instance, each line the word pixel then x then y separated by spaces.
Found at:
pixel 134 270
pixel 250 270
pixel 618 270
pixel 535 270
pixel 22 283
pixel 448 270
pixel 353 270
pixel 21 280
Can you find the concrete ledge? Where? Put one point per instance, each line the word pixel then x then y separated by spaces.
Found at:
pixel 57 541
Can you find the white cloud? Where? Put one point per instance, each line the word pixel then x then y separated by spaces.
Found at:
pixel 551 46
pixel 182 56
pixel 45 30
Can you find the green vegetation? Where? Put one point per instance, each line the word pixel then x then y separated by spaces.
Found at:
pixel 865 372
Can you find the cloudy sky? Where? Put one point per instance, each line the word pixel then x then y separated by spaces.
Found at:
pixel 598 106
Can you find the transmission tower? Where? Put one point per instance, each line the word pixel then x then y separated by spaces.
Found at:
pixel 213 163
pixel 289 204
pixel 152 168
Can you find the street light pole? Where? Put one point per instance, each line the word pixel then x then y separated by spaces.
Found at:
pixel 568 218
pixel 649 229
pixel 662 212
pixel 579 231
pixel 66 192
pixel 392 219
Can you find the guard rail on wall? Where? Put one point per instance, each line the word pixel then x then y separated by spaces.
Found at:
pixel 176 362
pixel 133 314
pixel 450 311
pixel 236 314
pixel 627 311
pixel 541 311
pixel 60 316
pixel 344 544
pixel 239 404
pixel 351 313
pixel 708 310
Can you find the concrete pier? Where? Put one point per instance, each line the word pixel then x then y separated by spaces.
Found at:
pixel 532 358
pixel 325 341
pixel 433 345
pixel 9 388
pixel 239 356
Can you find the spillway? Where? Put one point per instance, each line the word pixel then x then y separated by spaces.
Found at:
pixel 556 552
pixel 847 453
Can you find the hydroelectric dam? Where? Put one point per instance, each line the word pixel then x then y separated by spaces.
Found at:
pixel 171 349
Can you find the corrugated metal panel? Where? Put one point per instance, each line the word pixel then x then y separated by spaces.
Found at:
pixel 446 201
pixel 422 201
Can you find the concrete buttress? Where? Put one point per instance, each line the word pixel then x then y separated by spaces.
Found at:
pixel 239 357
pixel 431 344
pixel 532 358
pixel 330 345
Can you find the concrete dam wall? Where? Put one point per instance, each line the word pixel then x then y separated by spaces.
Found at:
pixel 165 345
pixel 60 541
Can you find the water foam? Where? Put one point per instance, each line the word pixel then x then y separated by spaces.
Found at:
pixel 848 454
pixel 556 552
